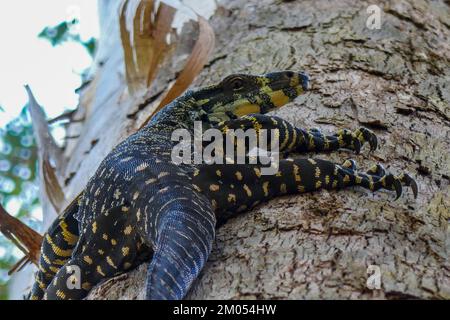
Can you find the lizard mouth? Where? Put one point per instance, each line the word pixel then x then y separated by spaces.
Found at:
pixel 286 90
pixel 274 94
pixel 291 80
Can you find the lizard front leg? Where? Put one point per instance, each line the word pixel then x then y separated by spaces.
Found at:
pixel 294 139
pixel 108 246
pixel 58 244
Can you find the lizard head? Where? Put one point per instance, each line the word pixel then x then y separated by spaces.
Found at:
pixel 241 94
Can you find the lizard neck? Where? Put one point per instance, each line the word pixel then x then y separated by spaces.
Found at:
pixel 179 114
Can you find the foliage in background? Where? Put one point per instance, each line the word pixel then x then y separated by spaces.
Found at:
pixel 64 32
pixel 18 187
pixel 18 159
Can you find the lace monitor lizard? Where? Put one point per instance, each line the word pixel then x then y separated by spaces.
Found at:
pixel 139 206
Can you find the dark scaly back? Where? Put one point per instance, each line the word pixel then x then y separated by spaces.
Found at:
pixel 233 97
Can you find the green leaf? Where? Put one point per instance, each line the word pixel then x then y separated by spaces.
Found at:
pixel 18 181
pixel 57 34
pixel 90 46
pixel 63 32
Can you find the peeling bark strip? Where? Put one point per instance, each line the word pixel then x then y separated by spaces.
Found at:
pixel 25 238
pixel 320 245
pixel 48 151
pixel 194 65
pixel 144 30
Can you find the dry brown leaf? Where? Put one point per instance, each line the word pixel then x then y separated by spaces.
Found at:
pixel 130 64
pixel 194 65
pixel 197 60
pixel 25 238
pixel 162 29
pixel 144 40
pixel 42 131
pixel 145 46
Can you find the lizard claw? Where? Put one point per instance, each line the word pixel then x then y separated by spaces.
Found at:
pixel 396 183
pixel 366 135
pixel 356 144
pixel 410 182
pixel 373 142
pixel 376 178
pixel 397 187
pixel 414 188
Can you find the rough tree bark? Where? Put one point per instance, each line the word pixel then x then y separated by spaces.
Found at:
pixel 394 80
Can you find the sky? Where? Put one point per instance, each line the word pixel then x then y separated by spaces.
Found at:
pixel 53 73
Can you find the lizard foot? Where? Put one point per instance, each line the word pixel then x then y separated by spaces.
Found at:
pixel 387 181
pixel 354 140
pixel 376 178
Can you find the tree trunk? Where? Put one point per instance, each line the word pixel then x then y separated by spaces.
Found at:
pixel 393 80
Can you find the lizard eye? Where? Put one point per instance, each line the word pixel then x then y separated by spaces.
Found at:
pixel 236 83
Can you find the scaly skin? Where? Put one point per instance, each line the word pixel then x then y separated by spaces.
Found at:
pixel 139 206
